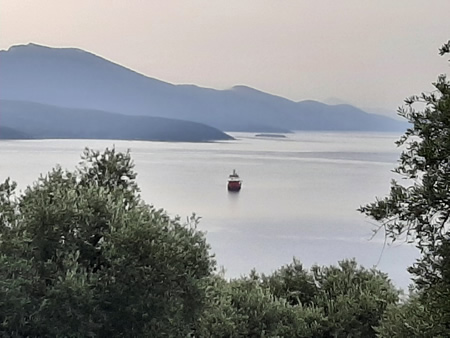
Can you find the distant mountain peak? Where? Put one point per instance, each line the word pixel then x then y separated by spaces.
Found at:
pixel 31 46
pixel 33 51
pixel 246 89
pixel 256 93
pixel 243 87
pixel 28 46
pixel 70 58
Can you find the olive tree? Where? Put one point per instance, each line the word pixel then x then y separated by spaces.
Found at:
pixel 245 308
pixel 410 319
pixel 82 255
pixel 418 208
pixel 346 300
pixel 351 299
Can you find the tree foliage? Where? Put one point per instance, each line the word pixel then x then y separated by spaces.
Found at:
pixel 243 308
pixel 411 319
pixel 336 301
pixel 292 282
pixel 419 208
pixel 352 298
pixel 82 255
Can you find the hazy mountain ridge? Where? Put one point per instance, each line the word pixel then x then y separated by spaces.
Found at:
pixel 36 120
pixel 69 77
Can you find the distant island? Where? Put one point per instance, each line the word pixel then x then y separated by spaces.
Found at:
pixel 271 135
pixel 80 89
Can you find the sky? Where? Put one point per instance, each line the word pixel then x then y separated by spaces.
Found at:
pixel 372 54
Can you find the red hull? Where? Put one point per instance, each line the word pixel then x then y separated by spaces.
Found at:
pixel 234 186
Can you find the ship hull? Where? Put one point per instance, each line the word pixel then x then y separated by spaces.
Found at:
pixel 234 186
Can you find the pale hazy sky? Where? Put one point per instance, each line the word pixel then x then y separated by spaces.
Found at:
pixel 372 53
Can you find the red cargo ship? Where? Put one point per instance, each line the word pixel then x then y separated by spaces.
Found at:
pixel 234 182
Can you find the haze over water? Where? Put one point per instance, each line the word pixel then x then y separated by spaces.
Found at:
pixel 299 195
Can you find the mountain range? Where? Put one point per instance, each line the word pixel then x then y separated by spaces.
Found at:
pixel 50 90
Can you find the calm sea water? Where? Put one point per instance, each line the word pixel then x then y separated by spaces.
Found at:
pixel 299 195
